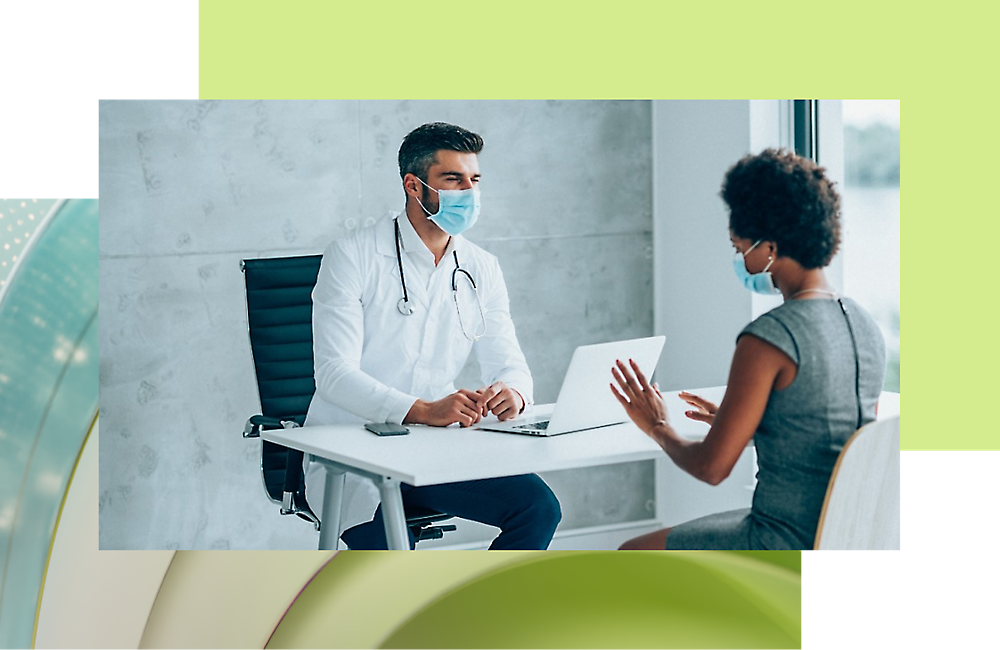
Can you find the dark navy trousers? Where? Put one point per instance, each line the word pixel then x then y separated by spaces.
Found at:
pixel 522 507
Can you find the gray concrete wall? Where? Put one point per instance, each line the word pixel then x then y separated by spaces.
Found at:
pixel 700 307
pixel 189 188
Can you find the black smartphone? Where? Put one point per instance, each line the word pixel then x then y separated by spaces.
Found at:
pixel 386 429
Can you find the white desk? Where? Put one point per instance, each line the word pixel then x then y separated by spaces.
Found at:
pixel 434 455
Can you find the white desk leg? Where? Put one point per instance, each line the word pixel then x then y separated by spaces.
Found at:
pixel 392 513
pixel 333 497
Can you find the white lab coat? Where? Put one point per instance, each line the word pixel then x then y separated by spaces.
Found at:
pixel 372 363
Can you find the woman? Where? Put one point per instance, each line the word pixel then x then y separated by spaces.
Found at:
pixel 803 378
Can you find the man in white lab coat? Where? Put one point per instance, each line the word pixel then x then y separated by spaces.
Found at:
pixel 391 335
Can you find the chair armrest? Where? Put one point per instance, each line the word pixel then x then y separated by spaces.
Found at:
pixel 258 422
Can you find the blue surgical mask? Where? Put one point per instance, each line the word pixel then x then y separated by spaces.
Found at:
pixel 457 209
pixel 757 282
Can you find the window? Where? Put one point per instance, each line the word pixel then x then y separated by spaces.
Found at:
pixel 870 207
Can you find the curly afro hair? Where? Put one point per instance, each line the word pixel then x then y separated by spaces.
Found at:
pixel 781 197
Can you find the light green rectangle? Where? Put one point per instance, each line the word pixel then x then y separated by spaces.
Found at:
pixel 318 49
pixel 937 63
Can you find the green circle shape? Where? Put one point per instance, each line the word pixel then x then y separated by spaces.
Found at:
pixel 616 600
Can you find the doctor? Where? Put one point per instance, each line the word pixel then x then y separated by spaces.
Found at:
pixel 397 309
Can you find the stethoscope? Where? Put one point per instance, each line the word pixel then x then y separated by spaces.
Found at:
pixel 406 309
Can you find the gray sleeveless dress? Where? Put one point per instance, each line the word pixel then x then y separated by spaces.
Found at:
pixel 803 429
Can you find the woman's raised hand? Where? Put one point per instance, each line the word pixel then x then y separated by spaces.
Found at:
pixel 642 402
pixel 704 410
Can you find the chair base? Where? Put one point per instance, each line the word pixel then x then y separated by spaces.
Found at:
pixel 294 503
pixel 431 532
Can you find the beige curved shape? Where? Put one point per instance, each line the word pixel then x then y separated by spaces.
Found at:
pixel 227 599
pixel 91 598
pixel 861 510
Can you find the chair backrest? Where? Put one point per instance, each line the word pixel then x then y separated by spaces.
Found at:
pixel 279 319
pixel 279 316
pixel 861 510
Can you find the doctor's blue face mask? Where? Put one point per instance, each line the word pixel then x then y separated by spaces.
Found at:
pixel 457 209
pixel 761 282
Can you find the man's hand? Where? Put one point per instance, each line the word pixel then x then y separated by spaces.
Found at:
pixel 458 407
pixel 500 400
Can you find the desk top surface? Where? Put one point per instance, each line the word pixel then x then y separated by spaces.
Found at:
pixel 432 455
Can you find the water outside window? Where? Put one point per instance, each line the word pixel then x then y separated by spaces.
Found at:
pixel 871 217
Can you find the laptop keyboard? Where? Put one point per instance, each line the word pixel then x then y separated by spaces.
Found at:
pixel 536 426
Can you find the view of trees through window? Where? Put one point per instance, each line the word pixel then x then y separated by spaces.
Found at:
pixel 871 217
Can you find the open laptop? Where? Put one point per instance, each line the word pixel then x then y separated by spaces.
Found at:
pixel 585 401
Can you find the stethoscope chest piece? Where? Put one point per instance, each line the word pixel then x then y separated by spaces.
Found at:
pixel 406 309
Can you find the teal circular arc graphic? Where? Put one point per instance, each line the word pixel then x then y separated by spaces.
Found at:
pixel 48 398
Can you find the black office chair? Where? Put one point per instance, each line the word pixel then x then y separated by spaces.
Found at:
pixel 279 318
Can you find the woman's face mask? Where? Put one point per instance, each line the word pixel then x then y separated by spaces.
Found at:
pixel 457 209
pixel 761 282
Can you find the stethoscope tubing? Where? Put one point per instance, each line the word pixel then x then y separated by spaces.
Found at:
pixel 406 309
pixel 404 304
